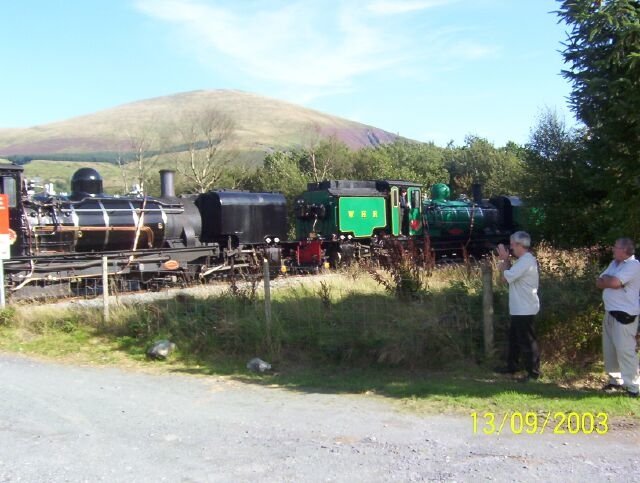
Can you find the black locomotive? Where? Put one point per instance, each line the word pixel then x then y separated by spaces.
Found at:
pixel 150 240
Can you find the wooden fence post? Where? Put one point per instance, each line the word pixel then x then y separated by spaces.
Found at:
pixel 487 309
pixel 267 299
pixel 105 288
pixel 2 294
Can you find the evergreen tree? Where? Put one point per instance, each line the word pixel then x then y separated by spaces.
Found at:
pixel 557 185
pixel 603 54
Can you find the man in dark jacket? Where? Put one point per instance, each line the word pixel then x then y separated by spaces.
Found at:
pixel 404 212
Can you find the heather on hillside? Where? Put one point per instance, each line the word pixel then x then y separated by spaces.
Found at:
pixel 263 124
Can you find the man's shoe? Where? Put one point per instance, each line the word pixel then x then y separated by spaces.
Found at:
pixel 505 370
pixel 633 394
pixel 612 388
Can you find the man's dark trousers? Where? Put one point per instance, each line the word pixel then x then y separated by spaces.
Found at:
pixel 522 342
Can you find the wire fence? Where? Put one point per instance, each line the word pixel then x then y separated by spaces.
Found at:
pixel 340 316
pixel 368 313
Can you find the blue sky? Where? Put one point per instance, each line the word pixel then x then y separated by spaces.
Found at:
pixel 432 70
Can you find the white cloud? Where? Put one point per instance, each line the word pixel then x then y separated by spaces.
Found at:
pixel 307 48
pixel 282 45
pixel 391 7
pixel 473 51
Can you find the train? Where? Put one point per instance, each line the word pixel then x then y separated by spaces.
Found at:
pixel 61 241
pixel 338 220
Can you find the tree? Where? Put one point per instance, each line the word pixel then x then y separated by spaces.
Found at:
pixel 379 163
pixel 122 165
pixel 603 54
pixel 280 172
pixel 324 157
pixel 207 138
pixel 557 184
pixel 420 162
pixel 499 170
pixel 142 141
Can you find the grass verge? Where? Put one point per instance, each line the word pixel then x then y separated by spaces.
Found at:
pixel 344 335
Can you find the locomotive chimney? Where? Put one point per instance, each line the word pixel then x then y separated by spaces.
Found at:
pixel 476 189
pixel 167 188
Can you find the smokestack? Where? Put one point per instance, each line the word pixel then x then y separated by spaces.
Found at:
pixel 476 189
pixel 167 188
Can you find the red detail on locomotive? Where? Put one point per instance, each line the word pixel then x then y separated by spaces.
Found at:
pixel 309 252
pixel 4 214
pixel 415 225
pixel 455 231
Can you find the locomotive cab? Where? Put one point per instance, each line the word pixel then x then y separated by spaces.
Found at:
pixel 359 209
pixel 404 207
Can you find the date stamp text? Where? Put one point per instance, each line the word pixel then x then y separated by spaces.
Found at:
pixel 557 422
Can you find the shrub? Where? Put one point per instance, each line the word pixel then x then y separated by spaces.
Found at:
pixel 7 316
pixel 406 270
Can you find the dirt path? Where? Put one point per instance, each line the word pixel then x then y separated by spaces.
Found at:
pixel 68 423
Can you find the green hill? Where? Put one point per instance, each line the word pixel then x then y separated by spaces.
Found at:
pixel 261 125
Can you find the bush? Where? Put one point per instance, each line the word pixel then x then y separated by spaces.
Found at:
pixel 406 270
pixel 7 316
pixel 570 320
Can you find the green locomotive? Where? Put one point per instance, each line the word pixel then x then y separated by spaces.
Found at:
pixel 357 209
pixel 346 217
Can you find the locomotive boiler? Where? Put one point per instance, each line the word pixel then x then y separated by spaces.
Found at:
pixel 477 224
pixel 90 221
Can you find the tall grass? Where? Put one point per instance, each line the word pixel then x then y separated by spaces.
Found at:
pixel 570 321
pixel 351 318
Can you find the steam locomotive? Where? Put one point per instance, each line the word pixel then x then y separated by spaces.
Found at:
pixel 155 241
pixel 345 219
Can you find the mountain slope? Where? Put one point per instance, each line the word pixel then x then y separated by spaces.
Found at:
pixel 262 124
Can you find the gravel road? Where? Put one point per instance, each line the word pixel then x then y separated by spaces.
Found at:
pixel 68 423
pixel 197 291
